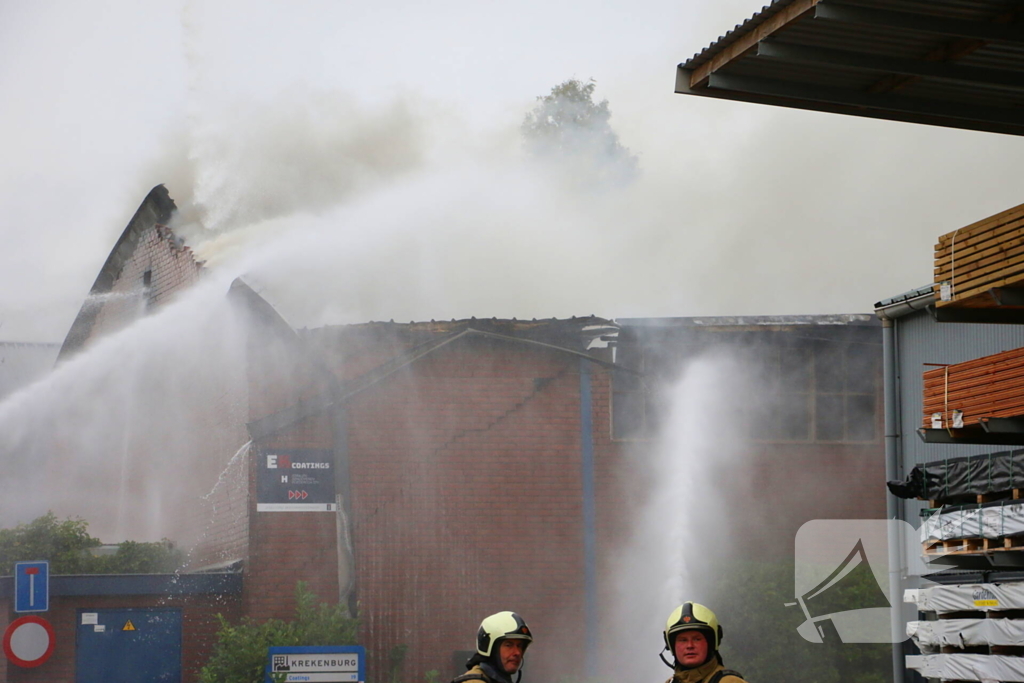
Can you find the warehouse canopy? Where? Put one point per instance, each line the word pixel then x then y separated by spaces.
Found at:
pixel 953 63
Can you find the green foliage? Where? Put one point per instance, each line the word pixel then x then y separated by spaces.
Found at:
pixel 760 637
pixel 67 544
pixel 569 127
pixel 432 676
pixel 240 654
pixel 396 660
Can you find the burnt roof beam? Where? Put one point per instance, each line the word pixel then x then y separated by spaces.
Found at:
pixel 919 23
pixel 771 49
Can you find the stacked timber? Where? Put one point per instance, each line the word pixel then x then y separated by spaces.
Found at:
pixel 957 396
pixel 975 259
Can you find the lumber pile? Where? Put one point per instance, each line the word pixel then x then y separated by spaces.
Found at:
pixel 957 396
pixel 979 257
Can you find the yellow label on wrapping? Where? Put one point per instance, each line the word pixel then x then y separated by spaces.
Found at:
pixel 986 603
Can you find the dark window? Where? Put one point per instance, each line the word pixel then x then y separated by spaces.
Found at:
pixel 794 417
pixel 817 391
pixel 828 417
pixel 630 409
pixel 861 368
pixel 860 417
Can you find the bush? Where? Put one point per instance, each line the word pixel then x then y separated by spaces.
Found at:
pixel 66 546
pixel 760 637
pixel 240 654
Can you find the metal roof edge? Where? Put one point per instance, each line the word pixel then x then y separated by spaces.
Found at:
pixel 905 303
pixel 136 584
pixel 737 32
pixel 752 320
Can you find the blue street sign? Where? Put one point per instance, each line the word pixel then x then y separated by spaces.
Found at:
pixel 31 586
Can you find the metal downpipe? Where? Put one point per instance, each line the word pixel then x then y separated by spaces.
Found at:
pixel 892 506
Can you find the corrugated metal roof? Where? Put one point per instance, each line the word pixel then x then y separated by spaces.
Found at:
pixel 738 31
pixel 956 63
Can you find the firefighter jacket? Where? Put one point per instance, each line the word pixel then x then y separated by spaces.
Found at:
pixel 706 673
pixel 483 671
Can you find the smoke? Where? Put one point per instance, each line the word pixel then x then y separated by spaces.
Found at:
pixel 133 431
pixel 680 533
pixel 251 113
pixel 310 151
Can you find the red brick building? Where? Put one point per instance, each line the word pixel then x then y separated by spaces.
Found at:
pixel 468 466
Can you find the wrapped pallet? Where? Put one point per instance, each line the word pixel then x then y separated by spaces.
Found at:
pixel 969 667
pixel 980 597
pixel 930 636
pixel 954 479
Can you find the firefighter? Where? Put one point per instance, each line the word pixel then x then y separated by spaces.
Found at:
pixel 501 643
pixel 693 636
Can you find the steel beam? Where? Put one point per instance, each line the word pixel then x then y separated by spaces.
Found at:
pixel 920 23
pixel 945 71
pixel 1003 425
pixel 875 105
pixel 993 316
pixel 1008 296
pixel 970 435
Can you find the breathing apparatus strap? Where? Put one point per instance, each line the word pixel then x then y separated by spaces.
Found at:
pixel 469 677
pixel 719 675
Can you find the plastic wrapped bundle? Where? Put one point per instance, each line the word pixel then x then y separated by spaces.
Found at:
pixel 953 478
pixel 929 636
pixel 978 597
pixel 964 667
pixel 987 520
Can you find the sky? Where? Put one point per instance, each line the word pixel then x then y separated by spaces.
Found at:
pixel 369 153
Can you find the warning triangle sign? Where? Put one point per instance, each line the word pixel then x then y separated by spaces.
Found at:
pixel 128 626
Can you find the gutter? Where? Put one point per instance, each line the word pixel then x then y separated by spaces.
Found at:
pixel 893 309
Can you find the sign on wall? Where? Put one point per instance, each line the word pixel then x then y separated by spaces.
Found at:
pixel 32 586
pixel 29 641
pixel 329 664
pixel 295 480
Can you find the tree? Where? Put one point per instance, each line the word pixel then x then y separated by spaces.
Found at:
pixel 240 654
pixel 67 545
pixel 568 127
pixel 760 637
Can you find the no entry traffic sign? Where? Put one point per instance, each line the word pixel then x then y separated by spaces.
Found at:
pixel 28 641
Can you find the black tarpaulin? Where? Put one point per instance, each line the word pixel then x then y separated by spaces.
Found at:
pixel 953 478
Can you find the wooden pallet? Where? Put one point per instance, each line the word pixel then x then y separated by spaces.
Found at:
pixel 979 257
pixel 972 546
pixel 1010 494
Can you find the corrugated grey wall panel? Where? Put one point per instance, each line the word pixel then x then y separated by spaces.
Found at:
pixel 921 340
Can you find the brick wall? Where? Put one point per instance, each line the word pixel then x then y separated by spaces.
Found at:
pixel 171 267
pixel 287 547
pixel 199 626
pixel 467 500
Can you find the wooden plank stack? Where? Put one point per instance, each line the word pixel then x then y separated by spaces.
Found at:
pixel 981 256
pixel 992 386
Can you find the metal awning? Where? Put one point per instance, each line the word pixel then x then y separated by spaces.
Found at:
pixel 953 63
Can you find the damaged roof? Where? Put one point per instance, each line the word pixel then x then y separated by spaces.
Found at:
pixel 366 354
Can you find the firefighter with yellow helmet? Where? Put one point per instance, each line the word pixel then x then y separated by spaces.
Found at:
pixel 693 636
pixel 501 643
